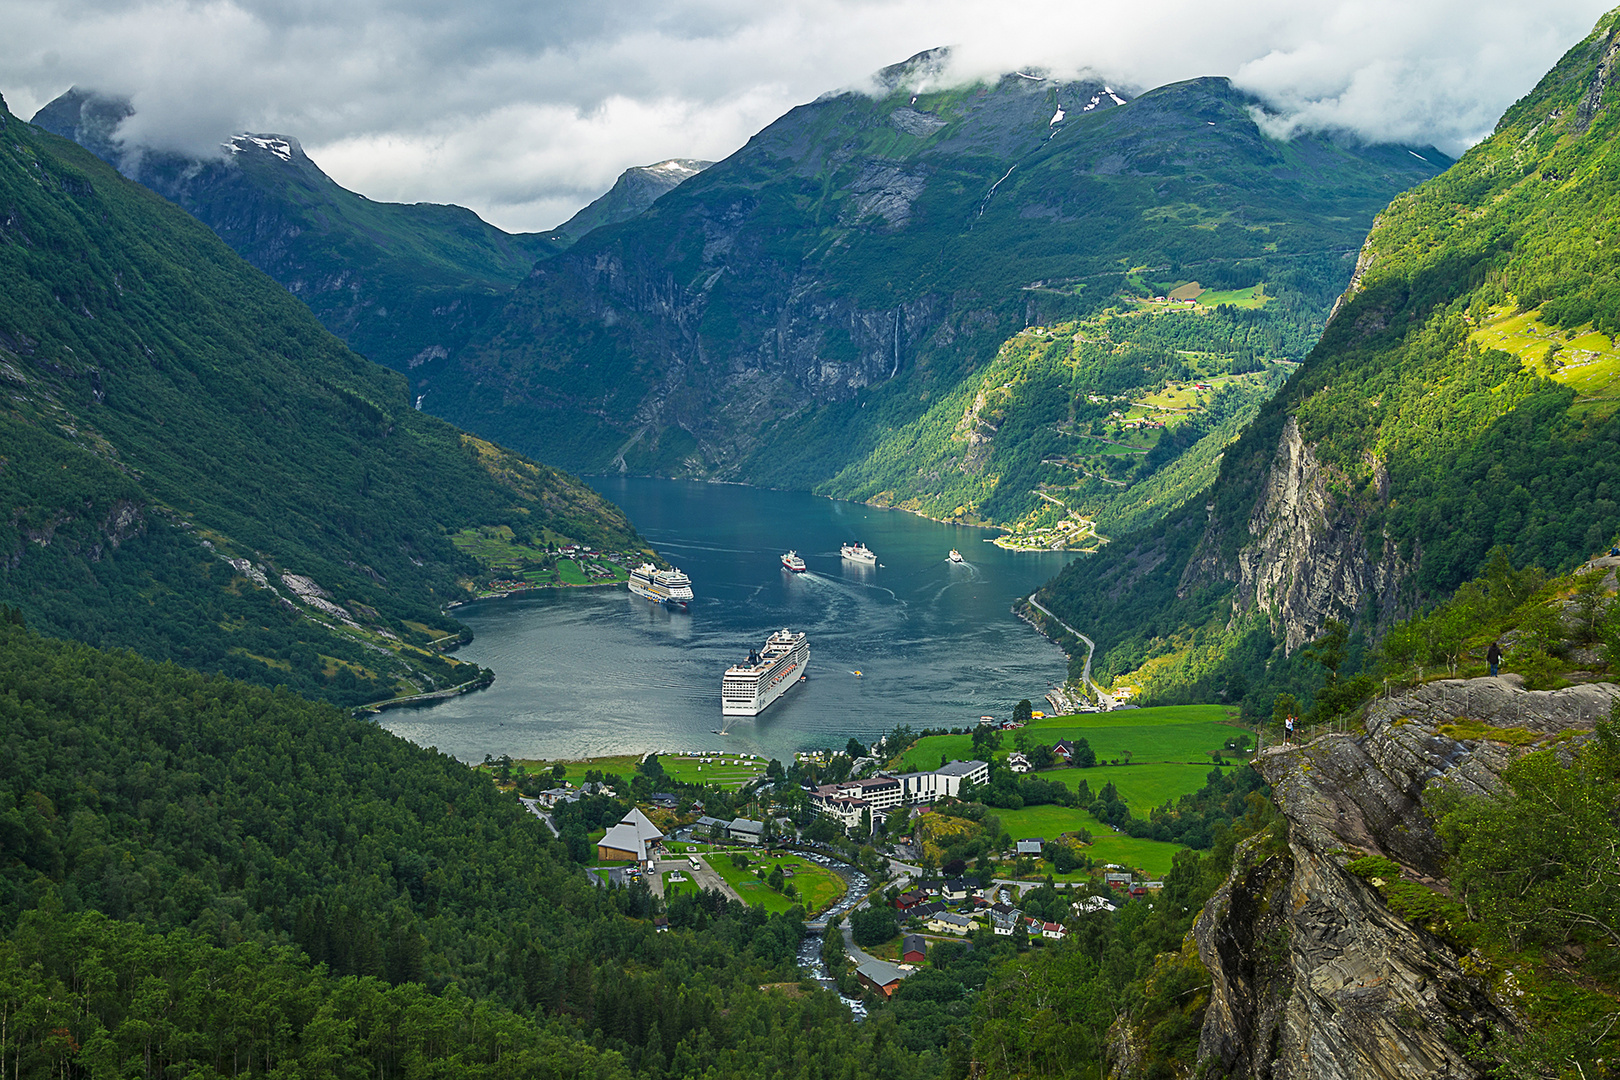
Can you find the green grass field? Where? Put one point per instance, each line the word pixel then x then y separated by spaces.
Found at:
pixel 1588 361
pixel 569 572
pixel 1171 733
pixel 816 885
pixel 1252 297
pixel 722 771
pixel 1048 822
pixel 1143 787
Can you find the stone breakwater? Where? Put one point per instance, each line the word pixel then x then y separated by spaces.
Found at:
pixel 1313 976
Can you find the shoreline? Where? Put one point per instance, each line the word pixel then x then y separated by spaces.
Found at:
pixel 1007 541
pixel 503 594
pixel 376 707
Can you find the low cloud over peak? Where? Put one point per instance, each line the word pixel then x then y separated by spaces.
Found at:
pixel 526 111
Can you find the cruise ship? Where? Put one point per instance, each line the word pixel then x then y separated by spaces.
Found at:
pixel 750 687
pixel 956 556
pixel 661 586
pixel 858 553
pixel 791 561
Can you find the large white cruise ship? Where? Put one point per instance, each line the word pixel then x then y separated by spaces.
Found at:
pixel 752 685
pixel 858 552
pixel 661 586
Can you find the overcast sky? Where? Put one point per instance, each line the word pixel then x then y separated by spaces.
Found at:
pixel 527 109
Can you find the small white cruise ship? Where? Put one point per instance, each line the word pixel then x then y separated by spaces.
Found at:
pixel 749 687
pixel 858 553
pixel 956 556
pixel 661 586
pixel 792 561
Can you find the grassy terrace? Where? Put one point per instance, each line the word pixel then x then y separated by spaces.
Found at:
pixel 1582 359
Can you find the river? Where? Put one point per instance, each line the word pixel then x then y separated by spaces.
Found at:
pixel 586 672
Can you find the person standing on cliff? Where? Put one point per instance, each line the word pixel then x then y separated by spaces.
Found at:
pixel 1493 657
pixel 1288 731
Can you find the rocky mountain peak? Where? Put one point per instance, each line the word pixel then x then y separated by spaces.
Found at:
pixel 90 118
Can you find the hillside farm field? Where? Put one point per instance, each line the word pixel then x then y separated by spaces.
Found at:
pixel 1185 734
pixel 1143 787
pixel 1049 822
pixel 722 770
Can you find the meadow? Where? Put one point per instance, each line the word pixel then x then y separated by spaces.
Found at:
pixel 1186 734
pixel 1581 358
pixel 1152 857
pixel 816 886
pixel 721 771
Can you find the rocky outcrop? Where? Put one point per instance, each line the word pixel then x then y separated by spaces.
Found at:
pixel 1313 975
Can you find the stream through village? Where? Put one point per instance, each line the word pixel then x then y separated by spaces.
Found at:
pixel 856 883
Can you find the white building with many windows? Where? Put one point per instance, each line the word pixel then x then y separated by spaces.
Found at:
pixel 944 782
pixel 882 793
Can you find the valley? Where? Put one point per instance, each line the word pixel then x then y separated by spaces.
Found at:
pixel 335 748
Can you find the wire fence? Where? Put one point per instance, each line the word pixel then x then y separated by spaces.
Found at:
pixel 1271 736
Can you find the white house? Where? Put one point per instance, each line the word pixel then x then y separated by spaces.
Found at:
pixel 948 923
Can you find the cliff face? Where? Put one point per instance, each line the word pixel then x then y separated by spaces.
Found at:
pixel 1305 556
pixel 1313 975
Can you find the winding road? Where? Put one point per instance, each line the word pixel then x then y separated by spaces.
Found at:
pixel 1091 646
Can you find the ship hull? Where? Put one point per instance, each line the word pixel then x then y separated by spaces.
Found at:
pixel 738 698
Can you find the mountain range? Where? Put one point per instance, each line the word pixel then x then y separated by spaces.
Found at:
pixel 792 313
pixel 828 307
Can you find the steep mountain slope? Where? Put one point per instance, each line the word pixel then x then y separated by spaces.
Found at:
pixel 401 283
pixel 774 317
pixel 1463 396
pixel 192 467
pixel 635 190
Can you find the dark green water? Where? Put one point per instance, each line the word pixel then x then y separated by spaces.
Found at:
pixel 583 672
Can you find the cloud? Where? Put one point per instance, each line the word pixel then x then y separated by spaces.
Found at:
pixel 526 109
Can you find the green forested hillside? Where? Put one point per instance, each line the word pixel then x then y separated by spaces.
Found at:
pixel 1464 397
pixel 400 282
pixel 238 820
pixel 845 278
pixel 194 468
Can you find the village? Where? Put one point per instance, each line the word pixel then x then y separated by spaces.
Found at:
pixel 1021 827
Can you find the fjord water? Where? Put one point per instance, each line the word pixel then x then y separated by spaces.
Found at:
pixel 585 672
